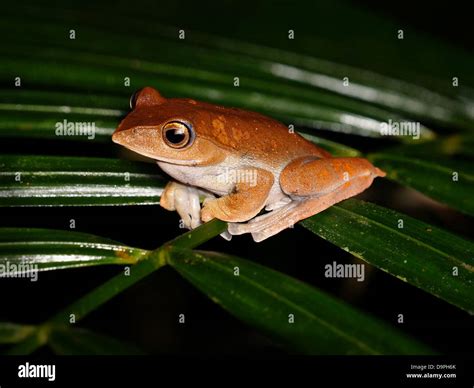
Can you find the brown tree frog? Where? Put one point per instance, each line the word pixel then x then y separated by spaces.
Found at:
pixel 250 162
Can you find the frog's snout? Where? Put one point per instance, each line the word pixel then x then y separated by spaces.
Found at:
pixel 117 137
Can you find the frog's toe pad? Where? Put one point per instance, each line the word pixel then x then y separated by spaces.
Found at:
pixel 226 235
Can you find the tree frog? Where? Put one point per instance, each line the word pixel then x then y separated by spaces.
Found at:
pixel 253 172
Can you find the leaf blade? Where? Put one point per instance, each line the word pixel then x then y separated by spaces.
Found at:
pixel 451 183
pixel 11 333
pixel 76 181
pixel 264 298
pixel 30 250
pixel 420 254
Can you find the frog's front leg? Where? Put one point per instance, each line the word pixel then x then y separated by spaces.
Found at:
pixel 313 185
pixel 246 200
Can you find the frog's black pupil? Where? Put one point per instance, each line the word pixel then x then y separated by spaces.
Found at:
pixel 175 136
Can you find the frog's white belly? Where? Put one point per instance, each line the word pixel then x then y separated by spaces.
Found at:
pixel 221 179
pixel 210 178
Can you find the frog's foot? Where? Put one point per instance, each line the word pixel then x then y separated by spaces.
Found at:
pixel 185 200
pixel 268 224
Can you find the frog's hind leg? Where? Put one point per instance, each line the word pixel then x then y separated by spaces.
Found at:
pixel 278 220
pixel 314 185
pixel 269 224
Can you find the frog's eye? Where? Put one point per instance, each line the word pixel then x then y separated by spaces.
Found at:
pixel 177 134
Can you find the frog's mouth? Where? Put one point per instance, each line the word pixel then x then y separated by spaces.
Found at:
pixel 177 162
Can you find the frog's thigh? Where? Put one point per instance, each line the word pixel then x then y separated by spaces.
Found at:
pixel 244 203
pixel 309 176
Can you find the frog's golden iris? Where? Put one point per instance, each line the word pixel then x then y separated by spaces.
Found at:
pixel 177 134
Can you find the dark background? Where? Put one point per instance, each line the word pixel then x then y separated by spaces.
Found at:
pixel 147 314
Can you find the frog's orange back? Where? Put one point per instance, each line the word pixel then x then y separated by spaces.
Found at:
pixel 241 131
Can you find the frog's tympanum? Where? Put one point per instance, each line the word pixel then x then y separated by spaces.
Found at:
pixel 241 162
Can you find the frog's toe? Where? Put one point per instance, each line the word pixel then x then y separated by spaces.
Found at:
pixel 195 221
pixel 207 212
pixel 226 235
pixel 260 230
pixel 280 217
pixel 189 220
pixel 185 221
pixel 236 229
pixel 272 230
pixel 260 236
